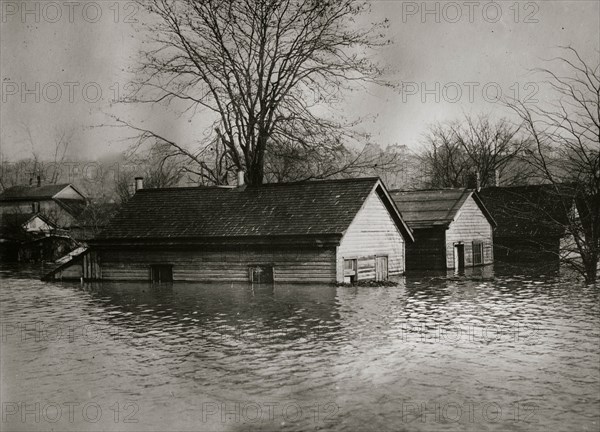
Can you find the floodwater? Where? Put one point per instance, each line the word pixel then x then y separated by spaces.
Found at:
pixel 495 351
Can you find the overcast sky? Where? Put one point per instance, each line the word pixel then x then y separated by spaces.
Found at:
pixel 452 58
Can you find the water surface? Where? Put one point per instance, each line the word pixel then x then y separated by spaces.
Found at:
pixel 498 352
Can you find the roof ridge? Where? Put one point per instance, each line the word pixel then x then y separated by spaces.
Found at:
pixel 454 210
pixel 430 190
pixel 320 181
pixel 282 184
pixel 35 186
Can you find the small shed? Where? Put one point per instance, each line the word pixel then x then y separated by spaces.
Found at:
pixel 452 228
pixel 314 232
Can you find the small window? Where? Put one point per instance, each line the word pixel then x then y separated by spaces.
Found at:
pixel 161 273
pixel 477 253
pixel 350 270
pixel 260 273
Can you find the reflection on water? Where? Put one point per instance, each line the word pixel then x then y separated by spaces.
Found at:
pixel 479 351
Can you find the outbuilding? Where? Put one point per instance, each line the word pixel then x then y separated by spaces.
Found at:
pixel 452 228
pixel 318 232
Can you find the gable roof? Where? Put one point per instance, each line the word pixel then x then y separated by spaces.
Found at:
pixel 435 207
pixel 72 206
pixel 533 210
pixel 316 209
pixel 29 193
pixel 11 224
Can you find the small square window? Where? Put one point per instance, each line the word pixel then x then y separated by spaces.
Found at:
pixel 161 273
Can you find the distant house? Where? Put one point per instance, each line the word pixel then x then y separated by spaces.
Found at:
pixel 532 221
pixel 60 203
pixel 321 232
pixel 452 228
pixel 32 223
pixel 31 237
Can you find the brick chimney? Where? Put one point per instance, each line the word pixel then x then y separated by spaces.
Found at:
pixel 240 178
pixel 39 181
pixel 139 183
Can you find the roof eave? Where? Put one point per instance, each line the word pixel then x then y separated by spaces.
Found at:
pixel 304 240
pixel 391 206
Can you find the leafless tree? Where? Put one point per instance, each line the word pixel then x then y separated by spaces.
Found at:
pixel 160 167
pixel 479 148
pixel 27 170
pixel 294 163
pixel 566 136
pixel 264 72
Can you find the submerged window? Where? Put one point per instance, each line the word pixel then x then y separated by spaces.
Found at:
pixel 260 273
pixel 161 273
pixel 350 270
pixel 477 253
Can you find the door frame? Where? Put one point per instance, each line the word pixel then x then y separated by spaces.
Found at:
pixel 378 275
pixel 459 255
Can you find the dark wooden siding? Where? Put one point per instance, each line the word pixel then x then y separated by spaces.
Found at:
pixel 226 264
pixel 529 249
pixel 428 250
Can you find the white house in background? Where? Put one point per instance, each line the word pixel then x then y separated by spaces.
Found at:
pixel 61 204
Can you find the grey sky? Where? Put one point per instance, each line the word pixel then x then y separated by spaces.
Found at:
pixel 451 60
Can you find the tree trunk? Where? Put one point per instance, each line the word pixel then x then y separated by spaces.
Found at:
pixel 591 269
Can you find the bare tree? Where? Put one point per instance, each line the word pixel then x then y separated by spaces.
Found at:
pixel 295 163
pixel 28 170
pixel 264 71
pixel 444 160
pixel 566 136
pixel 160 166
pixel 475 148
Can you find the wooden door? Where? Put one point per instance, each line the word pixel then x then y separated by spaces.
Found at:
pixel 459 256
pixel 381 268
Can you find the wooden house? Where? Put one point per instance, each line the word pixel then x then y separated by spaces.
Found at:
pixel 31 237
pixel 320 232
pixel 532 221
pixel 60 203
pixel 452 228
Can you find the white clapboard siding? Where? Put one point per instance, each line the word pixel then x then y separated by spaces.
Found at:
pixel 470 224
pixel 372 233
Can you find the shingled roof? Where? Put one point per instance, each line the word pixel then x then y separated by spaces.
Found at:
pixel 315 209
pixel 434 207
pixel 533 210
pixel 17 193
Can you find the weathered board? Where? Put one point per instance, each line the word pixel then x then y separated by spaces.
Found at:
pixel 469 225
pixel 289 264
pixel 428 251
pixel 372 233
